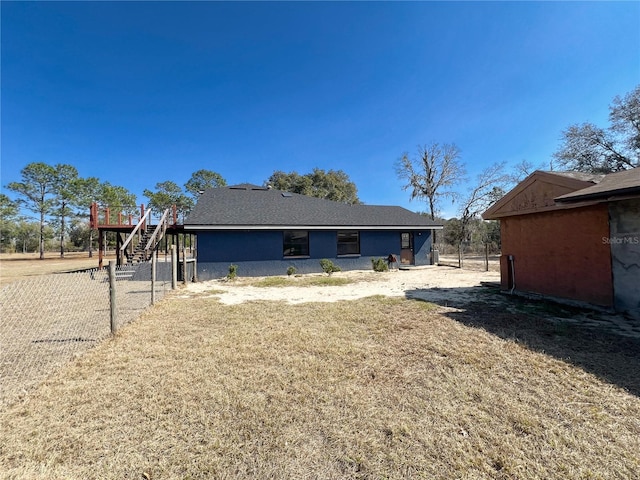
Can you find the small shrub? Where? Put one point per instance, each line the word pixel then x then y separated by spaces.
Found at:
pixel 379 265
pixel 328 266
pixel 233 272
pixel 291 270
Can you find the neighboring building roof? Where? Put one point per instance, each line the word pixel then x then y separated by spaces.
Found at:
pixel 537 193
pixel 613 185
pixel 585 177
pixel 253 207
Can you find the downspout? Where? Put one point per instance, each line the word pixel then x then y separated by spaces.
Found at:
pixel 513 273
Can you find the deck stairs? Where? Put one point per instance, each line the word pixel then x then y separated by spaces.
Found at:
pixel 149 238
pixel 139 253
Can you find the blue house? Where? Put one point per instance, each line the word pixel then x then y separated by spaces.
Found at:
pixel 265 231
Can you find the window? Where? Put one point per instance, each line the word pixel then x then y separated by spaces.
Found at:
pixel 295 243
pixel 348 243
pixel 406 242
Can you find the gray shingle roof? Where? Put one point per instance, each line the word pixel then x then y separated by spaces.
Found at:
pixel 613 184
pixel 586 177
pixel 251 206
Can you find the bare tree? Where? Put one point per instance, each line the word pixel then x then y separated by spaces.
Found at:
pixel 432 174
pixel 523 169
pixel 488 189
pixel 589 148
pixel 624 115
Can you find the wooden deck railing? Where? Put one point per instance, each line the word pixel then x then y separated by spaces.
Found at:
pixel 105 218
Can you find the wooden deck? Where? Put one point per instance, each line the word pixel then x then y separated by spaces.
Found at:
pixel 126 226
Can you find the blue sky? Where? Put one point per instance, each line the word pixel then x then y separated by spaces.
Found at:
pixel 137 93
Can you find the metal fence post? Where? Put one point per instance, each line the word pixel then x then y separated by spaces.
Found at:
pixel 184 265
pixel 174 268
pixel 154 258
pixel 195 258
pixel 195 270
pixel 112 295
pixel 486 257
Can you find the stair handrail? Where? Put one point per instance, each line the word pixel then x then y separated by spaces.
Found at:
pixel 135 230
pixel 162 225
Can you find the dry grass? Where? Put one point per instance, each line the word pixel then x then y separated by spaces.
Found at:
pixel 471 262
pixel 299 281
pixel 377 388
pixel 46 320
pixel 18 266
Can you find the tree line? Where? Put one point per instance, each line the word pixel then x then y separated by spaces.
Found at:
pixel 60 198
pixel 434 173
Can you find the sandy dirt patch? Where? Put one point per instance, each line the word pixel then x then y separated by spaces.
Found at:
pixel 444 285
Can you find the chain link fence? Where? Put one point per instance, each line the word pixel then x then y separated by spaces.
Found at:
pixel 48 320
